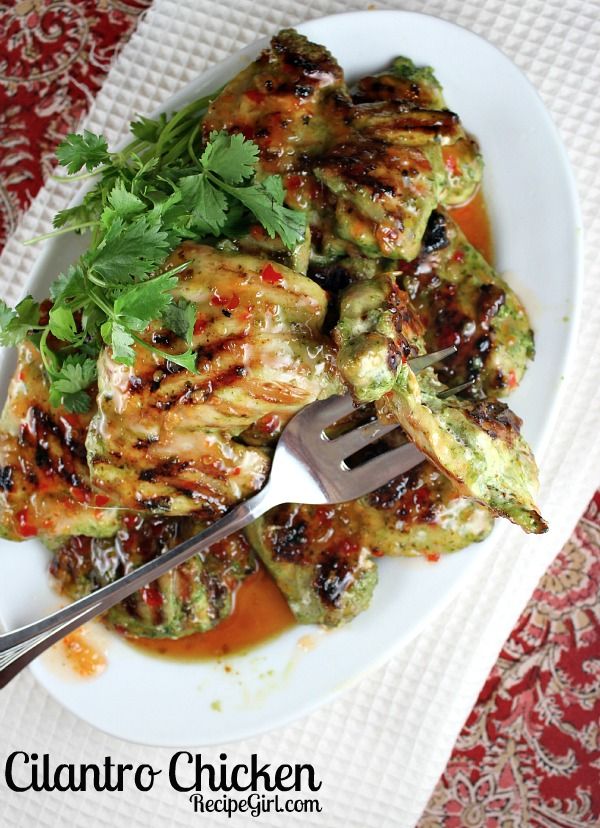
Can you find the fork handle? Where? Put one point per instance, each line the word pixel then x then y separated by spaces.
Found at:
pixel 19 647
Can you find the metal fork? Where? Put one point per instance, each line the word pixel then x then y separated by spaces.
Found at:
pixel 308 467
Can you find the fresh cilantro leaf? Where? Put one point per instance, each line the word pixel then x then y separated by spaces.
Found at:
pixel 128 251
pixel 62 323
pixel 77 402
pixel 146 129
pixel 238 221
pixel 289 225
pixel 207 205
pixel 273 184
pixel 231 157
pixel 77 151
pixel 16 324
pixel 187 360
pixel 69 286
pixel 120 340
pixel 180 317
pixel 123 202
pixel 80 214
pixel 68 384
pixel 139 305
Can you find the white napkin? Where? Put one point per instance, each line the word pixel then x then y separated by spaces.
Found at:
pixel 381 746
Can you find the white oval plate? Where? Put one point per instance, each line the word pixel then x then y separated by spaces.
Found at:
pixel 536 224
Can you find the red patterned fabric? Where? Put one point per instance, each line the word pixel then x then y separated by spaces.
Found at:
pixel 529 754
pixel 54 55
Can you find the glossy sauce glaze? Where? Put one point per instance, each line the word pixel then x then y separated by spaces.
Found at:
pixel 261 612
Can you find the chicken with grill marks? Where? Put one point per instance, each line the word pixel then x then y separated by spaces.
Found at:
pixel 282 101
pixel 163 438
pixel 477 445
pixel 417 86
pixel 45 484
pixel 193 597
pixel 462 301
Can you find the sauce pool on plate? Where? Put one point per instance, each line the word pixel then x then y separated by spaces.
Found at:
pixel 474 221
pixel 260 613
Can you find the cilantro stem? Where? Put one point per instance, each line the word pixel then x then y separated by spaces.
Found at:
pixel 95 279
pixel 101 304
pixel 61 231
pixel 45 351
pixel 80 176
pixel 190 145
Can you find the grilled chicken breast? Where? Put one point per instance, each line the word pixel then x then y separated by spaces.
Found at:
pixel 385 189
pixel 403 81
pixel 324 571
pixel 162 439
pixel 462 301
pixel 282 102
pixel 420 512
pixel 417 86
pixel 477 445
pixel 45 485
pixel 193 597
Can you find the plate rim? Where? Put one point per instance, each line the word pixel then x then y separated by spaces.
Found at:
pixel 570 333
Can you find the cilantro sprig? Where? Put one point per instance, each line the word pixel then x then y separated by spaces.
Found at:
pixel 163 188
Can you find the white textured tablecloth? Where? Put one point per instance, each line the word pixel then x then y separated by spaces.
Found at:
pixel 381 746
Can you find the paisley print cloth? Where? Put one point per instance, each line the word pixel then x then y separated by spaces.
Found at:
pixel 529 753
pixel 54 55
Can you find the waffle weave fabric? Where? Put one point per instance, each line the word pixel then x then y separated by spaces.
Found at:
pixel 529 754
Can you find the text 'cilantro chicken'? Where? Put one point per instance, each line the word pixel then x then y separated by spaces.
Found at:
pixel 163 438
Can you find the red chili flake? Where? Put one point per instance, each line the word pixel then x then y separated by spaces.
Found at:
pixel 152 597
pixel 512 380
pixel 433 557
pixel 26 529
pixel 377 553
pixel 348 547
pixel 200 325
pixel 71 419
pixel 459 256
pixel 270 275
pixel 452 165
pixel 268 424
pixel 292 182
pixel 229 302
pixel 79 494
pixel 255 96
pixel 323 515
pixel 101 500
pixel 257 232
pixel 235 472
